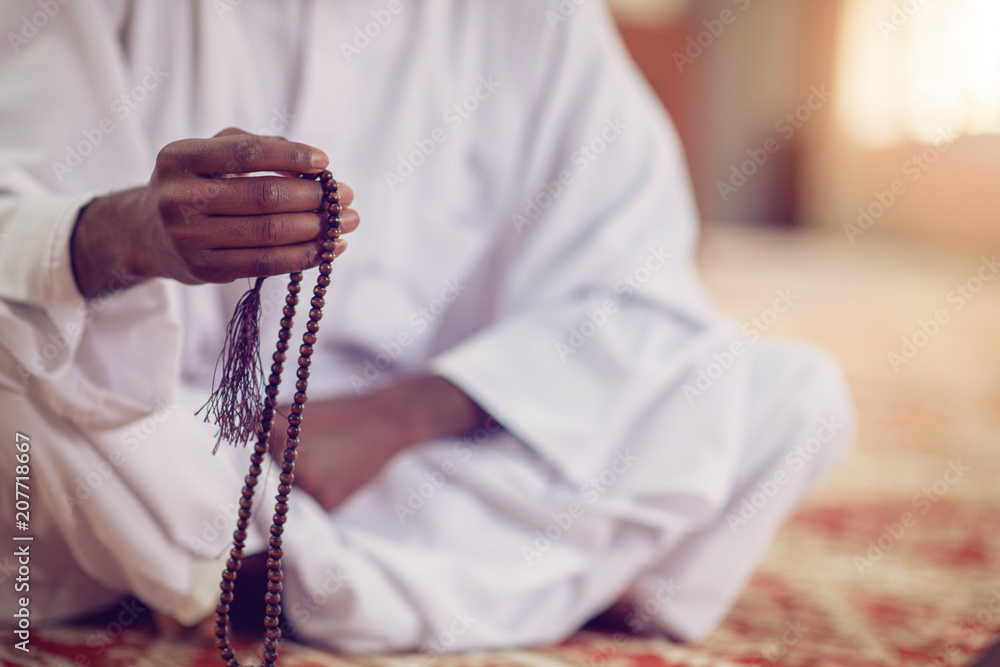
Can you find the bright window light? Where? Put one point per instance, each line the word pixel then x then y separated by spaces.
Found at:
pixel 915 68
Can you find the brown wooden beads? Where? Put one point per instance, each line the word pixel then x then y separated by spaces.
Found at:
pixel 332 209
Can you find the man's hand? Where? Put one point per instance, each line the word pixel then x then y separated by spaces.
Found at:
pixel 347 441
pixel 195 223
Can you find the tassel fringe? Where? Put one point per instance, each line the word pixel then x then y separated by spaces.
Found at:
pixel 236 405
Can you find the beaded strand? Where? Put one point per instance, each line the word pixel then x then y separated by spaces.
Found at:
pixel 272 634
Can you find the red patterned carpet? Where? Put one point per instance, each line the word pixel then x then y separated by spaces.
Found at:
pixel 894 561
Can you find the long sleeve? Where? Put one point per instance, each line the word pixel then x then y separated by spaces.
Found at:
pixel 63 142
pixel 122 475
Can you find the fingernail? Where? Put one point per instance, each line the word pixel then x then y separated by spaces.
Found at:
pixel 319 160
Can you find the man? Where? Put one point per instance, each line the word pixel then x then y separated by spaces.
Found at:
pixel 523 407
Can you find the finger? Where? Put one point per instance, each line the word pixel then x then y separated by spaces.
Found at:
pixel 231 131
pixel 239 153
pixel 266 231
pixel 346 194
pixel 349 221
pixel 344 191
pixel 260 231
pixel 259 195
pixel 233 263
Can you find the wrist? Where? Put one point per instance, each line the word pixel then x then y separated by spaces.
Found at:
pixel 104 259
pixel 428 408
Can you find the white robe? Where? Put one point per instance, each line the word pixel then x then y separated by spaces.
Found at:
pixel 528 233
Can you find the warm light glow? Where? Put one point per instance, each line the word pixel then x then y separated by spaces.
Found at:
pixel 915 68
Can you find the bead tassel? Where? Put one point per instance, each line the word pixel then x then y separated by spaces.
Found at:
pixel 236 405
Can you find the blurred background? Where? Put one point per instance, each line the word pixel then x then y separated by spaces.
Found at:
pixel 897 77
pixel 848 151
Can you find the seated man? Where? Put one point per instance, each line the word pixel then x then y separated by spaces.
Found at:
pixel 523 407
